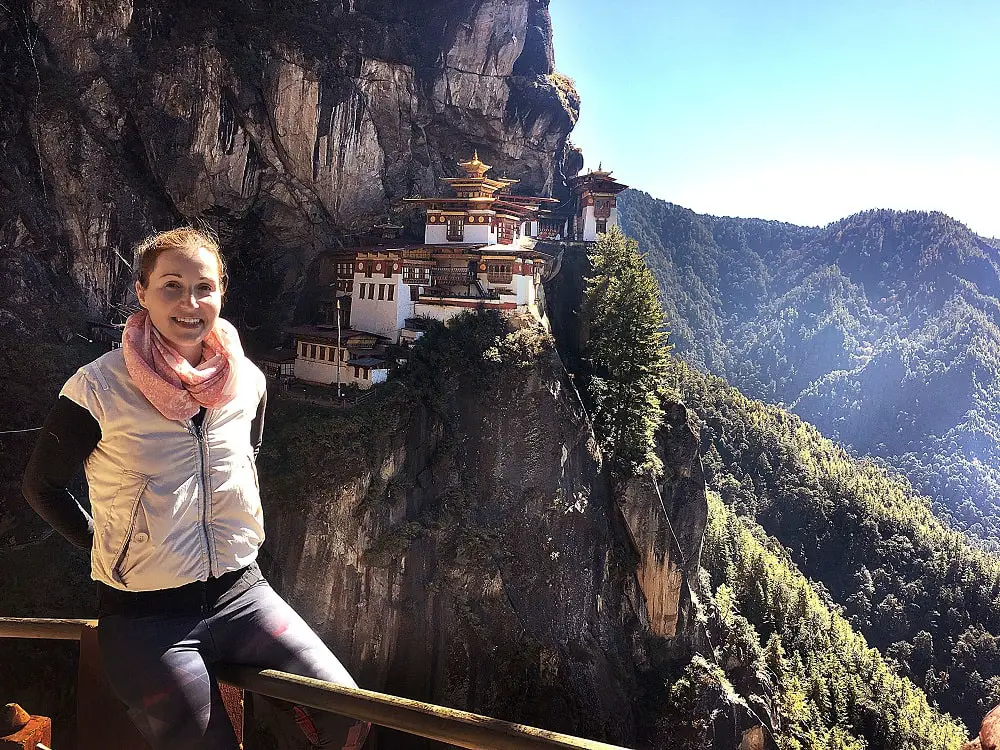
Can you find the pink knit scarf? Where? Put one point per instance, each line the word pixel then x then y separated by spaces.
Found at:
pixel 175 387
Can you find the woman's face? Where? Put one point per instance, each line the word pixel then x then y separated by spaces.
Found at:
pixel 183 298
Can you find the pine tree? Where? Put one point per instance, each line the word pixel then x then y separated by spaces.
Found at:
pixel 628 352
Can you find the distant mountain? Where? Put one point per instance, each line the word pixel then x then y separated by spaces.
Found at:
pixel 883 329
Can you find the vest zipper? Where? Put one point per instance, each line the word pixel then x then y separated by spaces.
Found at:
pixel 199 434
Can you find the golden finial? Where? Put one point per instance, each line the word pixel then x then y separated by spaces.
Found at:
pixel 474 167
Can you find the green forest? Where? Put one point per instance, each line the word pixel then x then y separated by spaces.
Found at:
pixel 830 689
pixel 870 545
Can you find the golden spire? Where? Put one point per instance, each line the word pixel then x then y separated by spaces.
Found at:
pixel 474 167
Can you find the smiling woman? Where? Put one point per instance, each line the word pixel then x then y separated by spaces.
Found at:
pixel 168 428
pixel 180 283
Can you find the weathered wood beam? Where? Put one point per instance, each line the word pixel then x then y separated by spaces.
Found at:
pixel 459 728
pixel 37 627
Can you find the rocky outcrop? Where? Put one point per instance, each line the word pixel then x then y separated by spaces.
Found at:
pixel 478 558
pixel 280 125
pixel 666 523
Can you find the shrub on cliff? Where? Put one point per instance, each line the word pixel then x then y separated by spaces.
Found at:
pixel 628 352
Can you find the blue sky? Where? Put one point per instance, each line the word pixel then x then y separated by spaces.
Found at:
pixel 799 111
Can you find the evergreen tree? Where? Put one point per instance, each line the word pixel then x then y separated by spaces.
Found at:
pixel 628 352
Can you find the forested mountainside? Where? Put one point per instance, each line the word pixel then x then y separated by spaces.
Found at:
pixel 830 688
pixel 882 329
pixel 914 588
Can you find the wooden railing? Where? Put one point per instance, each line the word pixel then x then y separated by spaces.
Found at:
pixel 459 728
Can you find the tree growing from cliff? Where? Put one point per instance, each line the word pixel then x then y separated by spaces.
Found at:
pixel 627 350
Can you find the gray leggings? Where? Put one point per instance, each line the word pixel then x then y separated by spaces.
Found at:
pixel 161 667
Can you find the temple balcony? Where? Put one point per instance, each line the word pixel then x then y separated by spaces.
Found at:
pixel 441 294
pixel 449 277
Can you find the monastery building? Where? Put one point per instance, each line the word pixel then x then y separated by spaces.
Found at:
pixel 483 247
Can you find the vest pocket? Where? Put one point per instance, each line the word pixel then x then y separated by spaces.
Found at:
pixel 129 499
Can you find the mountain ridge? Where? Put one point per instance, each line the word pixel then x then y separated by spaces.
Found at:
pixel 882 328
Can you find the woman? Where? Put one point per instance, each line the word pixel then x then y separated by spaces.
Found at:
pixel 168 428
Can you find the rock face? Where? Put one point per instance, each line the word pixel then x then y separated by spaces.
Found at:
pixel 666 523
pixel 280 125
pixel 478 559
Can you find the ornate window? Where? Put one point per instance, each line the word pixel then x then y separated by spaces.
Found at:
pixel 499 273
pixel 456 228
pixel 416 275
pixel 505 232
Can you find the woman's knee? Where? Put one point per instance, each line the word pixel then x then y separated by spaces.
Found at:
pixel 170 695
pixel 268 632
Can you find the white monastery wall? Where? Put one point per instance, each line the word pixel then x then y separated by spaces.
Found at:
pixel 376 315
pixel 478 233
pixel 525 286
pixel 435 234
pixel 321 372
pixel 404 305
pixel 437 312
pixel 589 225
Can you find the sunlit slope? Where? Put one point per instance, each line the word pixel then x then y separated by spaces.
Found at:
pixel 916 589
pixel 830 689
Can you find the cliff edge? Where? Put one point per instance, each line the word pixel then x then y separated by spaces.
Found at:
pixel 472 553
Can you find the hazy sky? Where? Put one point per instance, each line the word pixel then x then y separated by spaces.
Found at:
pixel 804 111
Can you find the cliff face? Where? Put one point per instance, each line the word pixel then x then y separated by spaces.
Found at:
pixel 281 125
pixel 454 538
pixel 476 556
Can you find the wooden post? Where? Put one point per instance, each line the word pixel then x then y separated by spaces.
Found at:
pixel 19 731
pixel 102 722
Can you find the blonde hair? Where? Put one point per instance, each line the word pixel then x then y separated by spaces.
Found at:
pixel 182 238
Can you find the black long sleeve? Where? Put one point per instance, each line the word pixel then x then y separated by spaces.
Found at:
pixel 68 436
pixel 257 426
